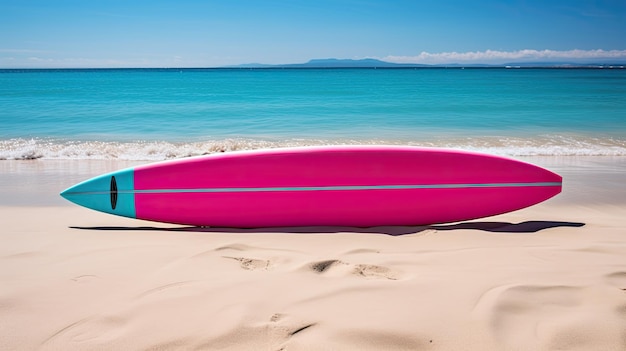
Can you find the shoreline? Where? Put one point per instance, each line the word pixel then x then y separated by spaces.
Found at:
pixel 551 276
pixel 527 143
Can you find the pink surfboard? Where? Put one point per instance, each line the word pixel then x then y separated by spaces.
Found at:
pixel 357 186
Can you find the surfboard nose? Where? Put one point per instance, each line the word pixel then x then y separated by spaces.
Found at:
pixel 111 193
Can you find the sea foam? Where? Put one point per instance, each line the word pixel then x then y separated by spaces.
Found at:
pixel 547 145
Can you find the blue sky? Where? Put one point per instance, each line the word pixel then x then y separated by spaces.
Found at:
pixel 210 33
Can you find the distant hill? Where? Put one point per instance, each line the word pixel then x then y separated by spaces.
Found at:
pixel 374 63
pixel 335 63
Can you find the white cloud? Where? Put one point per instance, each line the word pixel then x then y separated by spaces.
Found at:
pixel 495 56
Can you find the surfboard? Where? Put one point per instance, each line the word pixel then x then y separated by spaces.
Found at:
pixel 358 186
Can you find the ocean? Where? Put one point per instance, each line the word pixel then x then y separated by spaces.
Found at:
pixel 157 114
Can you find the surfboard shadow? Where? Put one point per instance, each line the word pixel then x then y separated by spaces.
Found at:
pixel 492 227
pixel 505 227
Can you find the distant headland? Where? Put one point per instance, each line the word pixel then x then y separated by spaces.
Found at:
pixel 375 63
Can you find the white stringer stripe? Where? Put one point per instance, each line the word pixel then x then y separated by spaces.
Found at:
pixel 330 188
pixel 325 188
pixel 348 188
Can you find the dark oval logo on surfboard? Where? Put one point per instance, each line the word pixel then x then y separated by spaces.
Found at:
pixel 113 192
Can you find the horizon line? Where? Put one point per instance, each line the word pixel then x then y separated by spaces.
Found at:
pixel 354 64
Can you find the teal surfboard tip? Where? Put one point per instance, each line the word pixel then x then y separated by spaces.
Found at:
pixel 110 193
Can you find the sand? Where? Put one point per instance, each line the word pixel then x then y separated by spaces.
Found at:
pixel 550 277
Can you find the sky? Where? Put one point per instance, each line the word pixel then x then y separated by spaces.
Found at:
pixel 215 33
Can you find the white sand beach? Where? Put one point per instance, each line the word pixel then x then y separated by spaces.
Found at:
pixel 550 277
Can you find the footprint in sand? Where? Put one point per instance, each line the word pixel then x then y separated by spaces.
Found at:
pixel 375 272
pixel 277 317
pixel 360 270
pixel 322 266
pixel 251 264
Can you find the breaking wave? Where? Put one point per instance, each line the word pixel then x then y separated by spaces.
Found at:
pixel 547 145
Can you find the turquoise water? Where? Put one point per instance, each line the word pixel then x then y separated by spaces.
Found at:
pixel 158 114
